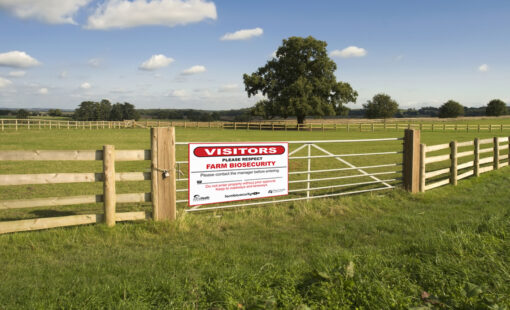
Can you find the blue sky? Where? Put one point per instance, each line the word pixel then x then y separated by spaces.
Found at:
pixel 56 53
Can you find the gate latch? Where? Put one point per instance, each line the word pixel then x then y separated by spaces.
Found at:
pixel 166 174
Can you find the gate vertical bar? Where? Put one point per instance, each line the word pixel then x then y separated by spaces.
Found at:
pixel 309 168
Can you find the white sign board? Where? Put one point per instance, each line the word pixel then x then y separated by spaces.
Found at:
pixel 222 172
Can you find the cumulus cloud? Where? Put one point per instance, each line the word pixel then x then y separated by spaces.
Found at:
pixel 48 11
pixel 85 85
pixel 349 52
pixel 243 34
pixel 483 68
pixel 62 74
pixel 193 70
pixel 228 88
pixel 17 73
pixel 156 62
pixel 43 91
pixel 121 14
pixel 4 82
pixel 17 59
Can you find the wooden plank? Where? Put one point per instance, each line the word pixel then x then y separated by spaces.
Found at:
pixel 467 143
pixel 132 216
pixel 486 169
pixel 464 154
pixel 58 178
pixel 109 184
pixel 503 164
pixel 486 141
pixel 435 159
pixel 52 201
pixel 133 197
pixel 465 165
pixel 486 160
pixel 51 222
pixel 132 176
pixel 432 174
pixel 465 175
pixel 437 184
pixel 132 155
pixel 487 150
pixel 51 155
pixel 432 148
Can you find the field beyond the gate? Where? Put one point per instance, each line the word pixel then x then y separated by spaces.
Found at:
pixel 447 247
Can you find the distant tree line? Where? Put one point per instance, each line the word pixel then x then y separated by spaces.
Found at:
pixel 105 111
pixel 241 115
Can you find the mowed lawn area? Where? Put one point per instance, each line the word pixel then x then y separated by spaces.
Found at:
pixel 446 248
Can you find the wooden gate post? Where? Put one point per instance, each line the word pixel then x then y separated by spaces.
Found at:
pixel 453 163
pixel 163 173
pixel 476 161
pixel 411 166
pixel 109 194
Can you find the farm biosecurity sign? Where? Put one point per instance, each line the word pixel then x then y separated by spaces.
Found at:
pixel 237 171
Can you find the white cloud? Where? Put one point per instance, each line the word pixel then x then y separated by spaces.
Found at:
pixel 483 68
pixel 179 93
pixel 4 82
pixel 63 74
pixel 17 59
pixel 156 62
pixel 48 11
pixel 349 52
pixel 125 14
pixel 194 70
pixel 85 85
pixel 228 88
pixel 17 73
pixel 43 91
pixel 95 62
pixel 243 34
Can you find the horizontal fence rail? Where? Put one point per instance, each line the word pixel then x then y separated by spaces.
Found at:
pixel 313 125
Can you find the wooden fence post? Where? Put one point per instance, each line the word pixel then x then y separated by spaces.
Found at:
pixel 423 154
pixel 109 194
pixel 411 167
pixel 476 162
pixel 16 122
pixel 453 163
pixel 163 173
pixel 496 153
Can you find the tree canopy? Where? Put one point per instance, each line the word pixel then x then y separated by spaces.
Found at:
pixel 105 111
pixel 381 106
pixel 496 108
pixel 300 81
pixel 451 109
pixel 22 114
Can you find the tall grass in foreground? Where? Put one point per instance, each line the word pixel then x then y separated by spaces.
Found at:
pixel 447 248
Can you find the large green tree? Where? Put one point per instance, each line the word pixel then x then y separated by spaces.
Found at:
pixel 22 114
pixel 300 81
pixel 381 106
pixel 451 109
pixel 496 108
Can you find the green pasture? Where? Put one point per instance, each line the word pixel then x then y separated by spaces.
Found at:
pixel 378 250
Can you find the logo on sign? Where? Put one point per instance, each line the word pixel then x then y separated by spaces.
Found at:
pixel 199 198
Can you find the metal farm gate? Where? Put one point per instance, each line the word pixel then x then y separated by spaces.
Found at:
pixel 319 169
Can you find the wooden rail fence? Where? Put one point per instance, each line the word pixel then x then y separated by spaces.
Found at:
pixel 32 124
pixel 163 205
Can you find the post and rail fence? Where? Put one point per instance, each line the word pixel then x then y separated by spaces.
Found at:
pixel 353 125
pixel 334 174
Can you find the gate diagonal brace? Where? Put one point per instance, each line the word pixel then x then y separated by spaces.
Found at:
pixel 351 165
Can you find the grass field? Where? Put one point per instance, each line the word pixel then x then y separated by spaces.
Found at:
pixel 372 251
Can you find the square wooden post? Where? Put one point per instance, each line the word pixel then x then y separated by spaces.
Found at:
pixel 411 166
pixel 453 163
pixel 496 153
pixel 163 173
pixel 109 194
